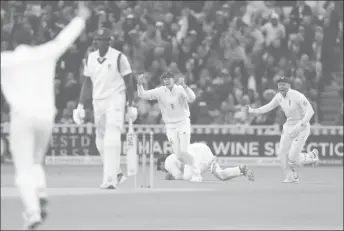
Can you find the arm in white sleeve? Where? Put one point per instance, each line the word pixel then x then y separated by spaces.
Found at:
pixel 67 36
pixel 309 112
pixel 266 108
pixel 147 95
pixel 189 94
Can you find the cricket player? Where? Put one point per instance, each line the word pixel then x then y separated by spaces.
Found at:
pixel 27 82
pixel 173 100
pixel 108 78
pixel 205 161
pixel 295 131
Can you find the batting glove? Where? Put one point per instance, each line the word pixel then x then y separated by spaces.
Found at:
pixel 132 113
pixel 79 115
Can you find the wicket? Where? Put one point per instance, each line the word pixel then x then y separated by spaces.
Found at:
pixel 145 137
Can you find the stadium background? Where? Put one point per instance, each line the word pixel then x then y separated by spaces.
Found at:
pixel 218 46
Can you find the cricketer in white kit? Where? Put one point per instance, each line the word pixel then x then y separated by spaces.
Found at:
pixel 108 76
pixel 205 161
pixel 173 101
pixel 27 81
pixel 296 130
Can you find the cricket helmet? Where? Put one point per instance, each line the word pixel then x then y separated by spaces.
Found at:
pixel 103 34
pixel 167 75
pixel 284 80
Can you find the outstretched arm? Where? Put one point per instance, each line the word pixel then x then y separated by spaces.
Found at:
pixel 143 94
pixel 188 92
pixel 266 108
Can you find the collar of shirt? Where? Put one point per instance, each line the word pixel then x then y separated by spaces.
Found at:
pixel 172 90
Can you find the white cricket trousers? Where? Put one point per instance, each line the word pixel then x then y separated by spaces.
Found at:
pixel 109 121
pixel 290 148
pixel 29 140
pixel 179 135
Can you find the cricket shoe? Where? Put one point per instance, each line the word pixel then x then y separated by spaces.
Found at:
pixel 108 185
pixel 121 178
pixel 315 152
pixel 32 220
pixel 196 178
pixel 246 172
pixel 288 180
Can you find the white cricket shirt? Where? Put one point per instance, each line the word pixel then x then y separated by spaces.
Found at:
pixel 28 72
pixel 202 156
pixel 107 73
pixel 295 106
pixel 173 103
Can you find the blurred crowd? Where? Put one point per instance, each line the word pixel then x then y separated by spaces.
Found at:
pixel 230 52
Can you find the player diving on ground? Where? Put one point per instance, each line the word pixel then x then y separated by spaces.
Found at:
pixel 205 161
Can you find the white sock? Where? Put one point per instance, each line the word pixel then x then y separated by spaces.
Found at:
pixel 39 174
pixel 228 173
pixel 111 157
pixel 26 184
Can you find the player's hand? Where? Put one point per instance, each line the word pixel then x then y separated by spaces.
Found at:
pixel 140 79
pixel 83 11
pixel 132 114
pixel 296 130
pixel 181 82
pixel 79 115
pixel 246 110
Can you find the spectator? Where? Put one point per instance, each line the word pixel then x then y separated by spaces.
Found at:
pixel 231 52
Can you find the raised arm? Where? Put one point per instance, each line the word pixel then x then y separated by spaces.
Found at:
pixel 266 108
pixel 70 33
pixel 188 92
pixel 147 95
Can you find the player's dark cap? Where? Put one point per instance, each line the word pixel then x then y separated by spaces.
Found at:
pixel 167 75
pixel 284 80
pixel 160 161
pixel 103 34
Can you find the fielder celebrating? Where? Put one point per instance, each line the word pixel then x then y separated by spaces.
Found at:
pixel 173 101
pixel 295 131
pixel 205 161
pixel 28 75
pixel 108 71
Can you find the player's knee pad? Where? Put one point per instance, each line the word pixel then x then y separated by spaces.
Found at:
pixel 112 136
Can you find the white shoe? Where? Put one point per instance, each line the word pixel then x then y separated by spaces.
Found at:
pixel 291 180
pixel 246 172
pixel 121 178
pixel 32 221
pixel 196 179
pixel 108 185
pixel 316 157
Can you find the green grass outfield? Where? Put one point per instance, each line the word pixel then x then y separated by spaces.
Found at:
pixel 77 203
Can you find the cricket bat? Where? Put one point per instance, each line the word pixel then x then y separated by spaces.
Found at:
pixel 132 163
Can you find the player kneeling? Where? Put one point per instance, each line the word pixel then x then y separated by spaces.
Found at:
pixel 205 160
